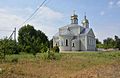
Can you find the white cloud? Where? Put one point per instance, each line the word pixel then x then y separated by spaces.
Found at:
pixel 114 3
pixel 50 14
pixel 118 3
pixel 111 3
pixel 8 22
pixel 44 20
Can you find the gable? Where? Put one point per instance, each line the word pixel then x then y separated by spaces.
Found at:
pixel 91 33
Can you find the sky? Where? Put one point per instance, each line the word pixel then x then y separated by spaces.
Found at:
pixel 103 15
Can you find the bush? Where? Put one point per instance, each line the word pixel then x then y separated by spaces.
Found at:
pixel 15 60
pixel 56 49
pixel 44 56
pixel 54 56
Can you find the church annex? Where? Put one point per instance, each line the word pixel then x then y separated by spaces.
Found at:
pixel 74 37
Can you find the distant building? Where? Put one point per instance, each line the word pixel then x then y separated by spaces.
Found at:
pixel 74 37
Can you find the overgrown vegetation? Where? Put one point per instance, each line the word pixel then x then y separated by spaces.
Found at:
pixel 85 64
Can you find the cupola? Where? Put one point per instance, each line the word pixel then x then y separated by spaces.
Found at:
pixel 74 18
pixel 85 22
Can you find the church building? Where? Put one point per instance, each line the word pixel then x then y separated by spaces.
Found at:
pixel 75 37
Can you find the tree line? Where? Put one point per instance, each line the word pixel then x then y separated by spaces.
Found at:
pixel 109 43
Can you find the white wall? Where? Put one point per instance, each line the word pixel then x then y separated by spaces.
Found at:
pixel 76 46
pixel 91 43
pixel 82 39
pixel 64 47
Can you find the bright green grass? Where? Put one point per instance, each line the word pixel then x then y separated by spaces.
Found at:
pixel 84 55
pixel 72 61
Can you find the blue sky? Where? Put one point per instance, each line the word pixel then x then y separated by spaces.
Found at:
pixel 103 15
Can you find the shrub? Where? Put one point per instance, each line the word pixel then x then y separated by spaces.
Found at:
pixel 44 56
pixel 56 49
pixel 15 60
pixel 54 56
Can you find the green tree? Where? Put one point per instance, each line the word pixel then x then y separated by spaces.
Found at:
pixel 51 43
pixel 109 43
pixel 31 40
pixel 98 44
pixel 117 42
pixel 97 41
pixel 7 46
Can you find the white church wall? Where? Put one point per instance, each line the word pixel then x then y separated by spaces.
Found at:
pixel 55 41
pixel 91 46
pixel 65 47
pixel 86 48
pixel 75 30
pixel 75 45
pixel 62 31
pixel 82 44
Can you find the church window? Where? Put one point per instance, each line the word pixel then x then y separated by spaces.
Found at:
pixel 73 45
pixel 66 42
pixel 56 44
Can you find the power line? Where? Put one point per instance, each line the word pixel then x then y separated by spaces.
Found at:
pixel 28 17
pixel 34 12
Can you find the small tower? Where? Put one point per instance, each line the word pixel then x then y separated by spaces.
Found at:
pixel 74 18
pixel 85 22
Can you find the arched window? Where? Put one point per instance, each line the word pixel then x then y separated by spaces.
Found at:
pixel 56 44
pixel 73 45
pixel 66 42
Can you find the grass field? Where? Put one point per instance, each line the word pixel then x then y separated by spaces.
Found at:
pixel 68 65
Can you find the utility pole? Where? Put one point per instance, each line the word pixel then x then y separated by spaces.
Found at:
pixel 15 40
pixel 15 35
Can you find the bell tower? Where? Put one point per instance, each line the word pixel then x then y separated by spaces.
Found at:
pixel 74 18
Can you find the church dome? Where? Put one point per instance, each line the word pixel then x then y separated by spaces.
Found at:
pixel 74 18
pixel 85 21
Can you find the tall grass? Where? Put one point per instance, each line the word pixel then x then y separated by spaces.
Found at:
pixel 87 59
pixel 29 66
